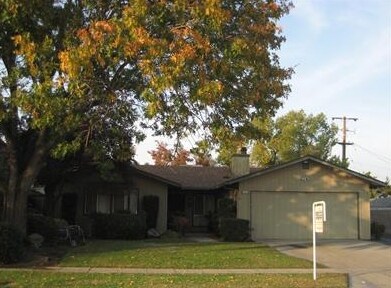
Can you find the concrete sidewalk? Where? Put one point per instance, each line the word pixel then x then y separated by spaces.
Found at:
pixel 170 271
pixel 368 263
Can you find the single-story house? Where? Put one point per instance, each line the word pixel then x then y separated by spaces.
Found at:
pixel 277 200
pixel 381 213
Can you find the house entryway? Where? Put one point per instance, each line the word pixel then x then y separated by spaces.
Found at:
pixel 69 207
pixel 197 207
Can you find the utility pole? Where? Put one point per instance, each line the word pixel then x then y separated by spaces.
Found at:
pixel 344 130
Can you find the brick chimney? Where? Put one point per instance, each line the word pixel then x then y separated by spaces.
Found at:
pixel 240 163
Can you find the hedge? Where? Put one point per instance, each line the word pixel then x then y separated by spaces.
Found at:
pixel 119 226
pixel 377 230
pixel 233 229
pixel 46 226
pixel 226 208
pixel 11 244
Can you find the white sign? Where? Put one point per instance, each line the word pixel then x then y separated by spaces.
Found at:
pixel 318 217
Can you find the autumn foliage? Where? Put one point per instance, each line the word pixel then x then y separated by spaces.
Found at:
pixel 92 76
pixel 164 156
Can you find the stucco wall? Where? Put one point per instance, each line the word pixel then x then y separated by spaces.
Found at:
pixel 148 186
pixel 317 178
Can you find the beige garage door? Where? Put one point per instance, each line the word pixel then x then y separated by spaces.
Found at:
pixel 287 215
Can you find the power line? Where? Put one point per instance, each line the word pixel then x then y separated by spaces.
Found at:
pixel 344 143
pixel 380 157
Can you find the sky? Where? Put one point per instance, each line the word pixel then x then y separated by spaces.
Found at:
pixel 341 54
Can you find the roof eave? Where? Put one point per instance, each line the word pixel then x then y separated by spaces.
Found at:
pixel 374 182
pixel 193 188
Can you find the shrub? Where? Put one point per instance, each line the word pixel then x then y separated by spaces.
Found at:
pixel 377 230
pixel 181 224
pixel 150 206
pixel 226 208
pixel 11 244
pixel 119 226
pixel 232 229
pixel 48 227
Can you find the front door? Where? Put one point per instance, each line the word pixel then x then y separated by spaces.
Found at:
pixel 204 206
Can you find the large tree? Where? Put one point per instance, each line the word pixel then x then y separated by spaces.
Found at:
pixel 293 135
pixel 90 75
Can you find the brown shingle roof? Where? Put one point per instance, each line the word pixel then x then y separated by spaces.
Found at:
pixel 213 177
pixel 190 177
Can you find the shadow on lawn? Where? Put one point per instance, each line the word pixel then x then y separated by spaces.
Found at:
pixel 54 255
pixel 101 246
pixel 41 257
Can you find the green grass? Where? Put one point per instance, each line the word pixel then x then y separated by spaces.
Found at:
pixel 51 279
pixel 185 255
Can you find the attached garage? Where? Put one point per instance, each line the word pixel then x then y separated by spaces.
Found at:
pixel 287 215
pixel 278 201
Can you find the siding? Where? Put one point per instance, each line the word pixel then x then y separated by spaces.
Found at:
pixel 318 178
pixel 288 215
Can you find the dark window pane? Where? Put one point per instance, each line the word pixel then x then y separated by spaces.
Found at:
pixel 199 205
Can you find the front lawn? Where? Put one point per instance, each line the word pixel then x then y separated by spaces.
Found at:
pixel 185 255
pixel 50 279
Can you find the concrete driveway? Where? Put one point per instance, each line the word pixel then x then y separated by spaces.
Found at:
pixel 368 263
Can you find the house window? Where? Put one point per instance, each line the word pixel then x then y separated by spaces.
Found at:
pixel 108 203
pixel 126 201
pixel 204 204
pixel 199 205
pixel 133 202
pixel 103 203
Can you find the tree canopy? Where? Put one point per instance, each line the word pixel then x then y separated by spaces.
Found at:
pixel 200 154
pixel 165 156
pixel 185 65
pixel 294 135
pixel 92 75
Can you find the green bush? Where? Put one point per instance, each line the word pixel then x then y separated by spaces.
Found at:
pixel 226 208
pixel 377 230
pixel 150 206
pixel 48 227
pixel 119 226
pixel 11 244
pixel 232 229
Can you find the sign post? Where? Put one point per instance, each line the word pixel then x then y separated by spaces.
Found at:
pixel 318 217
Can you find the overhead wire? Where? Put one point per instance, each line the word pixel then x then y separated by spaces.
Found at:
pixel 380 157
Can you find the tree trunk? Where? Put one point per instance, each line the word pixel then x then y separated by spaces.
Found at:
pixel 20 182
